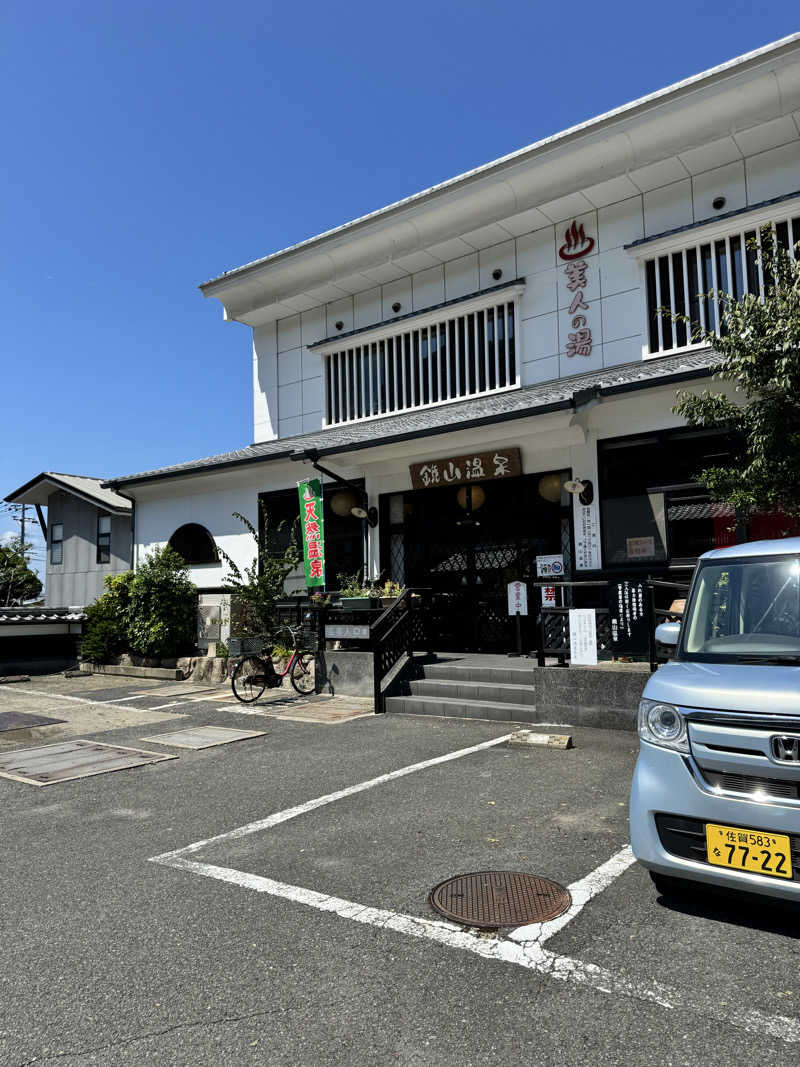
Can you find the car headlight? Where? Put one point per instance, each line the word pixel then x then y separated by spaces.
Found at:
pixel 662 724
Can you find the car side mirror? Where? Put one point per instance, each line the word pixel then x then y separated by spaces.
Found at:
pixel 668 633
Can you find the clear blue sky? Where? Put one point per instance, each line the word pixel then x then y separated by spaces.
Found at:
pixel 149 146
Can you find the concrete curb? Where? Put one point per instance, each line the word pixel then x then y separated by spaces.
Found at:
pixel 174 674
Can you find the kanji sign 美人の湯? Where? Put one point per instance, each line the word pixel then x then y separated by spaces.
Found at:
pixel 577 245
pixel 311 523
pixel 474 467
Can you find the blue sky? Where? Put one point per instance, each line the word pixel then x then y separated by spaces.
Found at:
pixel 150 146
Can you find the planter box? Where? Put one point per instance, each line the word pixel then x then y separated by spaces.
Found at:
pixel 358 603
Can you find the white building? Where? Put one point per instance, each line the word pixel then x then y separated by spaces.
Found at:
pixel 508 314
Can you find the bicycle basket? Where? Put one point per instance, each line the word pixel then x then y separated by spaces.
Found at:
pixel 245 646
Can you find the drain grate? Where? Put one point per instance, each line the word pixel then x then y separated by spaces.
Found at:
pixel 491 899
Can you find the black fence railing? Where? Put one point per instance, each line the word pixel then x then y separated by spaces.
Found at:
pixel 625 628
pixel 398 632
pixel 390 631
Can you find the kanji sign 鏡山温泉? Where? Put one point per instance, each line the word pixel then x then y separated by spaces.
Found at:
pixel 311 523
pixel 459 470
pixel 577 245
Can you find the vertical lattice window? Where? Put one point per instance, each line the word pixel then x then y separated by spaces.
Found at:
pixel 57 542
pixel 693 281
pixel 103 539
pixel 456 357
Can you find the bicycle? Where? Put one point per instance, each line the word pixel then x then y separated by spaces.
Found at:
pixel 253 674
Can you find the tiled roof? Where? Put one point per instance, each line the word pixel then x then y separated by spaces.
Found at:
pixel 446 418
pixel 28 615
pixel 48 481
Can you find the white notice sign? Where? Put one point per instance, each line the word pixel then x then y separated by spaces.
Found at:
pixel 587 534
pixel 582 636
pixel 517 598
pixel 640 547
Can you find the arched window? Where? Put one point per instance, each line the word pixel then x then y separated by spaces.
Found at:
pixel 194 543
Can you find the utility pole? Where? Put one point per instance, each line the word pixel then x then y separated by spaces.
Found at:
pixel 22 533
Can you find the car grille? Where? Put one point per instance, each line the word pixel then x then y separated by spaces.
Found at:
pixel 748 784
pixel 686 838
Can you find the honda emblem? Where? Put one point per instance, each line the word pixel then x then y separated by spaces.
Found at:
pixel 785 749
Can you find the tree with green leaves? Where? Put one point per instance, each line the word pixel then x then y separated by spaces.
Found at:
pixel 106 634
pixel 759 349
pixel 18 582
pixel 160 606
pixel 256 589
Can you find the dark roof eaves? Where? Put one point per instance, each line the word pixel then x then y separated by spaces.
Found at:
pixel 635 384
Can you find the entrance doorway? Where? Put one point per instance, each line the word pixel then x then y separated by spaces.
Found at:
pixel 467 543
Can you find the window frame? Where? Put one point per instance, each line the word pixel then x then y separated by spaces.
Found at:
pixel 56 542
pixel 424 320
pixel 692 237
pixel 660 438
pixel 103 540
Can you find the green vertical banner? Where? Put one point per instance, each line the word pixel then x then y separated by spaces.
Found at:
pixel 311 520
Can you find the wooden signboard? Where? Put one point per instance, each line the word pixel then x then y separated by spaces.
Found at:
pixel 489 466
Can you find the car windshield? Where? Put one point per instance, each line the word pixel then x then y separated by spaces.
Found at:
pixel 745 610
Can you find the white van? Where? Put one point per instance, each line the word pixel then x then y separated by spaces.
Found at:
pixel 716 790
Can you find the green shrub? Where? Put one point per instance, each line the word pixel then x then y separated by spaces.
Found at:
pixel 161 610
pixel 105 636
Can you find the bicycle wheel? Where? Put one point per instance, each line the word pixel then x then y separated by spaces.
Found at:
pixel 249 679
pixel 302 675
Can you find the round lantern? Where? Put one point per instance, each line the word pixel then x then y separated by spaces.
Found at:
pixel 550 488
pixel 343 502
pixel 478 497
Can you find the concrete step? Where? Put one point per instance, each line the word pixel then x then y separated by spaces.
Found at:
pixel 452 707
pixel 456 672
pixel 493 692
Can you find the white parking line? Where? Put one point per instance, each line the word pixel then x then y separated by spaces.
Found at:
pixel 122 700
pixel 95 703
pixel 319 802
pixel 524 947
pixel 581 892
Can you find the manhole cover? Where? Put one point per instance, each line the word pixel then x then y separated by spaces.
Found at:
pixel 490 899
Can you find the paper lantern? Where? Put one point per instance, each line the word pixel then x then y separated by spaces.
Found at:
pixel 342 503
pixel 550 488
pixel 478 497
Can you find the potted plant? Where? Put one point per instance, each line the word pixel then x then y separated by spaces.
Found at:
pixel 354 595
pixel 389 592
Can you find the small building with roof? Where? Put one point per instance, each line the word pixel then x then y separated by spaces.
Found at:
pixel 88 533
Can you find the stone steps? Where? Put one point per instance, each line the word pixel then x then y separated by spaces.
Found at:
pixel 519 691
pixel 496 692
pixel 455 707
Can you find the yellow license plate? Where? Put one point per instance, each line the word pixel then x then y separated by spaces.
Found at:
pixel 755 851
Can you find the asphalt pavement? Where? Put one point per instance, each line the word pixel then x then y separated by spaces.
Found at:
pixel 309 939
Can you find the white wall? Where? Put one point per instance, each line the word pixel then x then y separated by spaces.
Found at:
pixel 547 442
pixel 755 165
